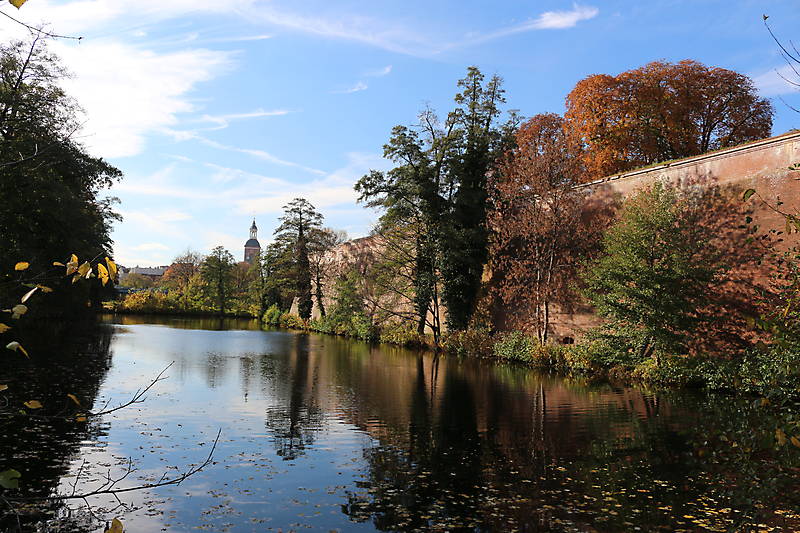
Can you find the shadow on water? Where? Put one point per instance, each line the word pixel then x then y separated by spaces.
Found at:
pixel 65 358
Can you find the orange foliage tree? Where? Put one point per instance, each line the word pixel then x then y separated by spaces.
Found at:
pixel 540 228
pixel 662 111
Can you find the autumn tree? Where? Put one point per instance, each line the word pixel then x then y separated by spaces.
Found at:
pixel 217 274
pixel 299 221
pixel 180 273
pixel 539 236
pixel 662 111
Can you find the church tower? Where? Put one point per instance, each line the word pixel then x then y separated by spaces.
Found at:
pixel 252 248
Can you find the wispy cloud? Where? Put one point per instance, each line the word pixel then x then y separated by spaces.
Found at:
pixel 549 20
pixel 377 73
pixel 223 121
pixel 360 86
pixel 774 82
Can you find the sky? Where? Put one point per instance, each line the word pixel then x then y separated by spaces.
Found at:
pixel 219 112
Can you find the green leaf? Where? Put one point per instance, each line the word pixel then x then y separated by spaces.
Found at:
pixel 9 479
pixel 747 194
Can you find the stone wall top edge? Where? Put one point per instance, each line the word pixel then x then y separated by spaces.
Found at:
pixel 786 138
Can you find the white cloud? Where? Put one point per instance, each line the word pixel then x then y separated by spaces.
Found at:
pixel 549 20
pixel 124 104
pixel 360 86
pixel 559 20
pixel 774 82
pixel 223 121
pixel 336 189
pixel 379 72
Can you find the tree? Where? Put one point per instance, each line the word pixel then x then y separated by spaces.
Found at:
pixel 217 274
pixel 663 111
pixel 50 204
pixel 539 236
pixel 300 219
pixel 480 141
pixel 657 270
pixel 180 273
pixel 439 188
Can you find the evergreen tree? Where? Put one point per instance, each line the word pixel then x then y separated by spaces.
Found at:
pixel 300 219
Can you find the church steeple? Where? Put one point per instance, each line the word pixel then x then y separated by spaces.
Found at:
pixel 252 248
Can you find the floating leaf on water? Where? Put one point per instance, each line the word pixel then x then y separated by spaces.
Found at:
pixel 21 266
pixel 44 288
pixel 29 294
pixel 5 387
pixel 80 418
pixel 4 328
pixel 9 479
pixel 116 527
pixel 794 440
pixel 14 346
pixel 18 310
pixel 747 194
pixel 74 399
pixel 780 436
pixel 33 404
pixel 58 264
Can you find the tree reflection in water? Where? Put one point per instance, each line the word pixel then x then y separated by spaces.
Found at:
pixel 65 358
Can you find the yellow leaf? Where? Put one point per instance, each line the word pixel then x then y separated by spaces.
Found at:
pixel 794 440
pixel 84 268
pixel 21 266
pixel 58 264
pixel 116 527
pixel 45 289
pixel 74 399
pixel 29 294
pixel 73 259
pixel 80 418
pixel 33 404
pixel 18 310
pixel 17 347
pixel 5 387
pixel 102 273
pixel 780 436
pixel 112 268
pixel 17 3
pixel 4 328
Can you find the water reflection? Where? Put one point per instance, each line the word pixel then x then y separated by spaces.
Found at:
pixel 65 358
pixel 330 434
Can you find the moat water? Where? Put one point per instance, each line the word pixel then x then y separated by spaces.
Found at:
pixel 326 434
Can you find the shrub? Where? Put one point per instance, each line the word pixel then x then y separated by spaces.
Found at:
pixel 272 316
pixel 402 334
pixel 515 346
pixel 290 321
pixel 470 342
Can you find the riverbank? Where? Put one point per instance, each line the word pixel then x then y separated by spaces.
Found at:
pixel 765 371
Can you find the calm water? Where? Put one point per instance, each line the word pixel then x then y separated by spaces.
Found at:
pixel 325 434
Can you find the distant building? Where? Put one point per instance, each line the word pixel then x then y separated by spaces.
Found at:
pixel 154 273
pixel 252 248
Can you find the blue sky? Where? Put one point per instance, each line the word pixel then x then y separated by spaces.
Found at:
pixel 221 111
